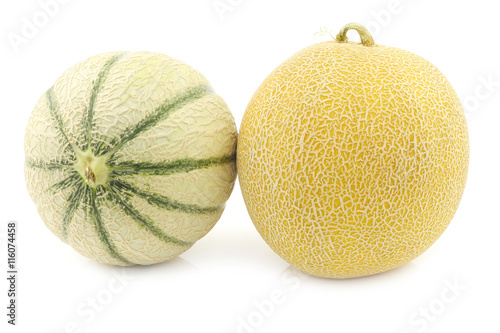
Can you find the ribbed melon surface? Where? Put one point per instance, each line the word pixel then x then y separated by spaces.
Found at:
pixel 130 157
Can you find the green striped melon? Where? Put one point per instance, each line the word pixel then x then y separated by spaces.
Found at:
pixel 130 157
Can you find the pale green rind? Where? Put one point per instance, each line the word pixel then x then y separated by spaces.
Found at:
pixel 101 229
pixel 96 88
pixel 168 168
pixel 142 219
pixel 159 200
pixel 188 94
pixel 162 112
pixel 73 203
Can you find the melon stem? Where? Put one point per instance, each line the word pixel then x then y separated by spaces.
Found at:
pixel 93 169
pixel 364 34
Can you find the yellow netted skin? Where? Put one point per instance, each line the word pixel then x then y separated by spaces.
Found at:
pixel 352 157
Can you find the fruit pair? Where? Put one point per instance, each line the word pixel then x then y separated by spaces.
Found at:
pixel 352 157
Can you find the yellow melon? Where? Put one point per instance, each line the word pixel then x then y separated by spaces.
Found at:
pixel 352 157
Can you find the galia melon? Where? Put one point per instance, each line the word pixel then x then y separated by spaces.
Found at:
pixel 130 157
pixel 352 157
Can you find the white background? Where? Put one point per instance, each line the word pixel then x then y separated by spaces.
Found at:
pixel 227 281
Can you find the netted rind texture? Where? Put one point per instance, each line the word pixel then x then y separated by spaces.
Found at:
pixel 352 160
pixel 168 143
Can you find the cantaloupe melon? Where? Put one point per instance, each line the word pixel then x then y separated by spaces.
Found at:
pixel 130 157
pixel 352 157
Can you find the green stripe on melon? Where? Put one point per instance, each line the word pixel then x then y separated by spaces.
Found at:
pixel 117 126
